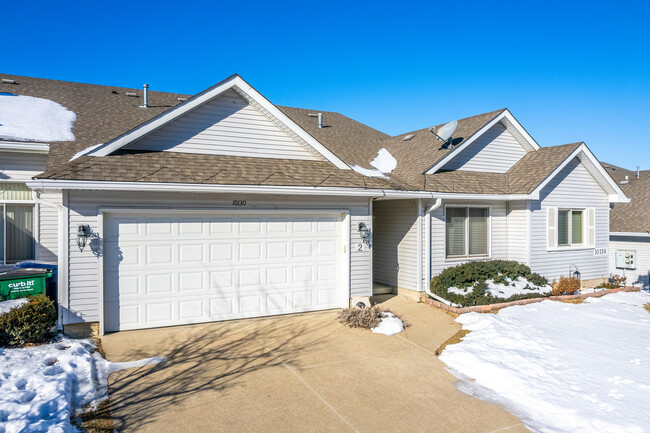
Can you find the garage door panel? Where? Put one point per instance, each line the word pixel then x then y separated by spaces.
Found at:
pixel 162 271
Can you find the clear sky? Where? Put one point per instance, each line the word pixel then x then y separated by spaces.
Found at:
pixel 569 71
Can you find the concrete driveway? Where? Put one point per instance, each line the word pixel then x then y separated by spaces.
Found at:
pixel 297 373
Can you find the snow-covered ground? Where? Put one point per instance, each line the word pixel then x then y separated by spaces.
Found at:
pixel 34 119
pixel 561 367
pixel 389 325
pixel 520 286
pixel 11 304
pixel 42 386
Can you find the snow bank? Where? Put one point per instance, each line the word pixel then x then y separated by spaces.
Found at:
pixel 520 286
pixel 13 303
pixel 561 367
pixel 389 325
pixel 34 119
pixel 384 163
pixel 42 387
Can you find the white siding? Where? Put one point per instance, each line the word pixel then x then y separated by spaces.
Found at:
pixel 227 125
pixel 395 240
pixel 640 276
pixel 573 187
pixel 498 234
pixel 48 229
pixel 21 166
pixel 84 208
pixel 518 233
pixel 494 152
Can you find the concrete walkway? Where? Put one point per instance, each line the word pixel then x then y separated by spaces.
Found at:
pixel 296 373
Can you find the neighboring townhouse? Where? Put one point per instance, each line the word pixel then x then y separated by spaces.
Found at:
pixel 629 237
pixel 222 205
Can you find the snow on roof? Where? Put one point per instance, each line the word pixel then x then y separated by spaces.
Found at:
pixel 384 164
pixel 26 118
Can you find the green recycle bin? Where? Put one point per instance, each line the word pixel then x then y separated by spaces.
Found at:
pixel 19 283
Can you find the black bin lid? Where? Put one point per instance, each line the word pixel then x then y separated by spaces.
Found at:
pixel 24 272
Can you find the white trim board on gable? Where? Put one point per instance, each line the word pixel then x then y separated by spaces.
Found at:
pixel 236 83
pixel 495 151
pixel 227 125
pixel 509 123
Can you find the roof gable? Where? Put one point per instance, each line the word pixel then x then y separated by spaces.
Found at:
pixel 227 125
pixel 300 144
pixel 494 140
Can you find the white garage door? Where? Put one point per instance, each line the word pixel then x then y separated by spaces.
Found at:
pixel 162 270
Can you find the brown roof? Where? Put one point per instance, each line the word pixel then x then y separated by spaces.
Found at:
pixel 633 217
pixel 105 112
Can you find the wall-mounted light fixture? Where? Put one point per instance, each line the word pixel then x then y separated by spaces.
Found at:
pixel 83 233
pixel 364 232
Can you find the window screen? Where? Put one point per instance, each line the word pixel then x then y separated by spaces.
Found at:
pixel 478 231
pixel 19 241
pixel 563 227
pixel 576 227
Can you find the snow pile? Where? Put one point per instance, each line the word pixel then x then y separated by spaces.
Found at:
pixel 34 119
pixel 42 386
pixel 561 367
pixel 384 164
pixel 12 303
pixel 86 150
pixel 389 325
pixel 520 286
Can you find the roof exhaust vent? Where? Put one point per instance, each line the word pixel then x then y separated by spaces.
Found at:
pixel 131 94
pixel 408 137
pixel 181 99
pixel 320 118
pixel 146 95
pixel 625 181
pixel 8 81
pixel 638 171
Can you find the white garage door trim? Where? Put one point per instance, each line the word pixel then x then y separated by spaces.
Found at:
pixel 345 234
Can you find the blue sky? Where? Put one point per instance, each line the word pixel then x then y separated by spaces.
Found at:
pixel 569 71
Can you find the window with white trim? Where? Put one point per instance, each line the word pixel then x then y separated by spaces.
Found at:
pixel 16 223
pixel 571 228
pixel 466 231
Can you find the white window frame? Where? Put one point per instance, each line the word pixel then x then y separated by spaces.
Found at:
pixel 3 204
pixel 489 233
pixel 571 245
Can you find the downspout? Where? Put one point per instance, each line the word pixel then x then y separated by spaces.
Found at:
pixel 427 285
pixel 36 195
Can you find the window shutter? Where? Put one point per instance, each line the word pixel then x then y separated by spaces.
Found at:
pixel 551 228
pixel 591 227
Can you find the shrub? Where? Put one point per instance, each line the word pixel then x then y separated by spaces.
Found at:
pixel 614 282
pixel 475 274
pixel 566 285
pixel 29 323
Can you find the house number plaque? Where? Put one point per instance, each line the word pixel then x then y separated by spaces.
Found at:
pixel 239 202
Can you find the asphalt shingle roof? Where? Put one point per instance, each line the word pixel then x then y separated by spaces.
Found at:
pixel 105 112
pixel 632 217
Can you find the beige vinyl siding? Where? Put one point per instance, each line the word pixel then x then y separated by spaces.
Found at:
pixel 518 234
pixel 494 152
pixel 227 125
pixel 395 243
pixel 48 230
pixel 21 166
pixel 573 188
pixel 84 208
pixel 640 276
pixel 497 229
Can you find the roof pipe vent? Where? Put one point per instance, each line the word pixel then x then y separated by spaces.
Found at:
pixel 146 95
pixel 320 118
pixel 638 171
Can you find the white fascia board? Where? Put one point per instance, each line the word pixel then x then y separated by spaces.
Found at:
pixel 505 114
pixel 459 196
pixel 631 234
pixel 43 184
pixel 515 123
pixel 618 197
pixel 22 147
pixel 203 97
